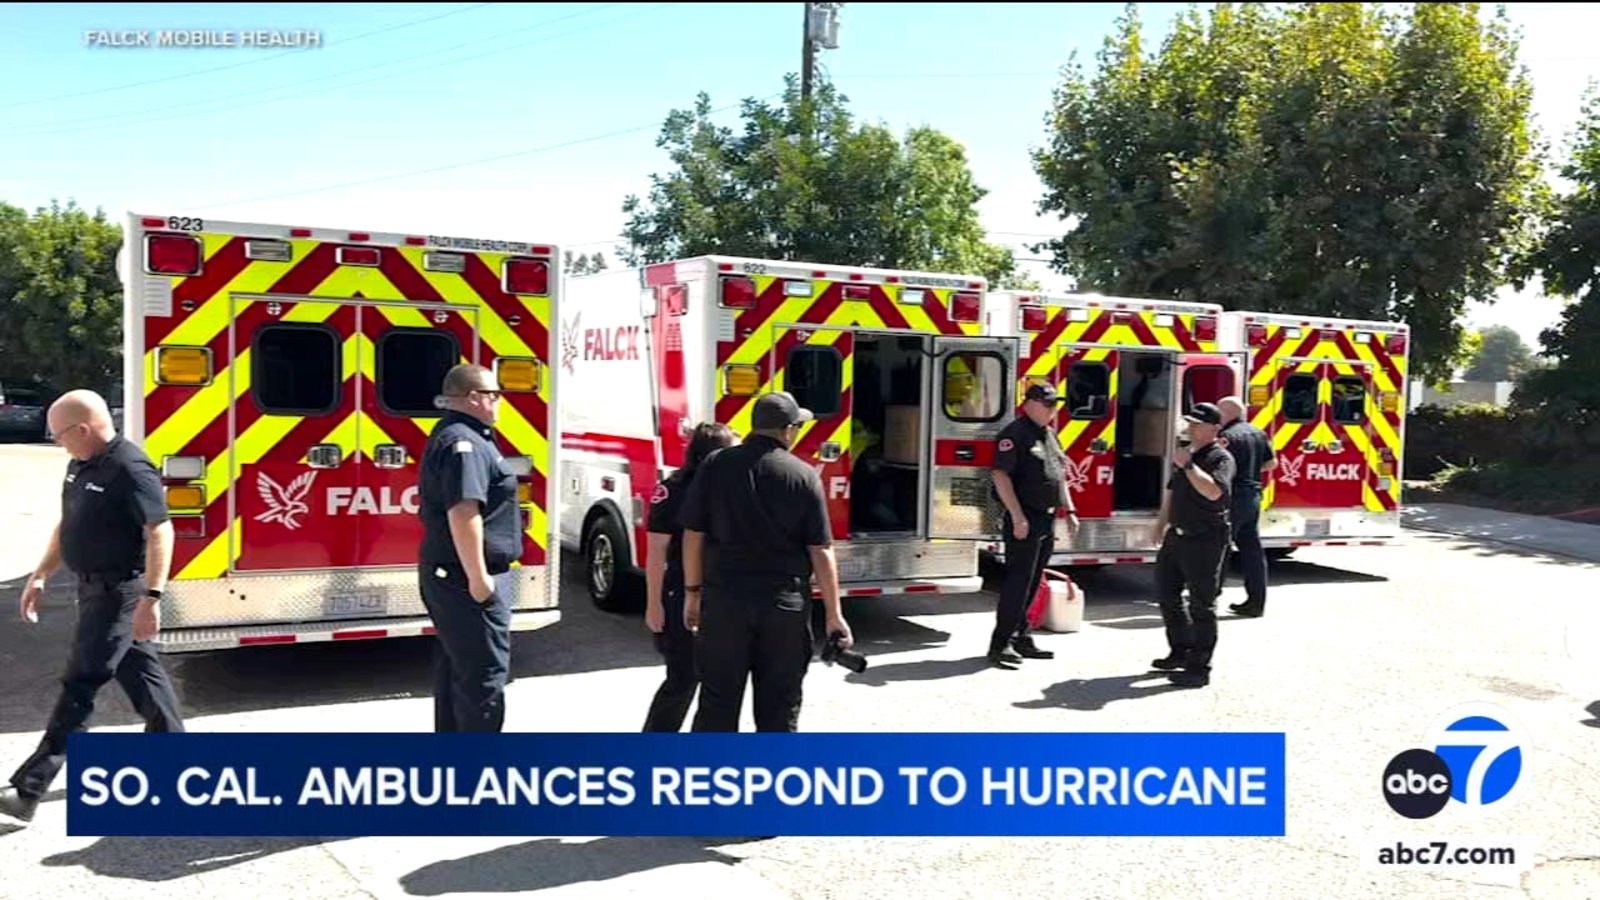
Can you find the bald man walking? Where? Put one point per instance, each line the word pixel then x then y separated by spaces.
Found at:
pixel 114 535
pixel 1254 458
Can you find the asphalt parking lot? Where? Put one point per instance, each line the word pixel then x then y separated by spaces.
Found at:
pixel 1361 649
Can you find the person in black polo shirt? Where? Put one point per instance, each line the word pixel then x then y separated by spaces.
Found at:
pixel 1028 478
pixel 472 533
pixel 1253 458
pixel 1194 547
pixel 664 580
pixel 756 528
pixel 114 535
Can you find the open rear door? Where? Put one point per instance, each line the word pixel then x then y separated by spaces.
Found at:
pixel 974 397
pixel 814 364
pixel 1208 377
pixel 1087 426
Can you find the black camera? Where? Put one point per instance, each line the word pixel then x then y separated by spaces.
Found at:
pixel 832 652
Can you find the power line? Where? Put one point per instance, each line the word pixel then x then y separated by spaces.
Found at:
pixel 460 165
pixel 248 62
pixel 193 110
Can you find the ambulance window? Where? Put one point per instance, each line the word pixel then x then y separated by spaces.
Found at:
pixel 412 364
pixel 1088 390
pixel 815 376
pixel 1206 384
pixel 1300 397
pixel 295 370
pixel 974 387
pixel 1349 400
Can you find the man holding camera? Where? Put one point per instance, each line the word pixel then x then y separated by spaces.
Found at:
pixel 755 529
pixel 1195 547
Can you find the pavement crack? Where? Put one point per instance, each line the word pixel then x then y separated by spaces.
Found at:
pixel 360 884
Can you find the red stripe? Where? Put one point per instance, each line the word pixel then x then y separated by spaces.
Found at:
pixel 1141 330
pixel 944 453
pixel 268 639
pixel 922 589
pixel 1266 353
pixel 887 310
pixel 227 262
pixel 1094 429
pixel 486 285
pixel 747 321
pixel 1375 344
pixel 863 592
pixel 1186 339
pixel 1130 559
pixel 360 635
pixel 1044 340
pixel 939 312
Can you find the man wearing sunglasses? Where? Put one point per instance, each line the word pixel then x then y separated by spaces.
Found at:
pixel 472 532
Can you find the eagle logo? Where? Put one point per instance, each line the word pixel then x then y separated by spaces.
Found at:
pixel 1077 473
pixel 1289 469
pixel 284 504
pixel 569 343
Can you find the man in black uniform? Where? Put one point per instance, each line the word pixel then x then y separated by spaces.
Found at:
pixel 755 531
pixel 1028 478
pixel 1195 548
pixel 114 535
pixel 1253 457
pixel 472 533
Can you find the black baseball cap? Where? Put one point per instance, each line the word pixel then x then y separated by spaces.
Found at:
pixel 1204 414
pixel 778 410
pixel 1043 393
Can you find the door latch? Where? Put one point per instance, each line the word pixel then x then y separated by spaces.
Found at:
pixel 324 456
pixel 391 456
pixel 966 453
pixel 829 451
pixel 1336 447
pixel 1099 445
pixel 1308 446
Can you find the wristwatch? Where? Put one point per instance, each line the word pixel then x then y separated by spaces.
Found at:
pixel 153 594
pixel 691 589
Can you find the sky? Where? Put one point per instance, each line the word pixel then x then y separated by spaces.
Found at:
pixel 533 122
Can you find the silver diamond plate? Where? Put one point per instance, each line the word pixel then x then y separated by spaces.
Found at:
pixel 962 503
pixel 902 560
pixel 323 597
pixel 1329 523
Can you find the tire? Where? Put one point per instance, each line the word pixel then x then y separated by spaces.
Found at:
pixel 605 569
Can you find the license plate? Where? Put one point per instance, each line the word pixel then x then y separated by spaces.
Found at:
pixel 1317 528
pixel 360 604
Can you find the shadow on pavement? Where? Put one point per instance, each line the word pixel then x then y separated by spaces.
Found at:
pixel 927 670
pixel 1593 710
pixel 169 859
pixel 550 863
pixel 1090 694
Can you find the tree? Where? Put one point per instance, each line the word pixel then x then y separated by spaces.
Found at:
pixel 1501 355
pixel 803 181
pixel 60 297
pixel 1328 158
pixel 582 264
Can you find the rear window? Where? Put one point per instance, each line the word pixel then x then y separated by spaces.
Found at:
pixel 814 375
pixel 411 369
pixel 1300 397
pixel 295 370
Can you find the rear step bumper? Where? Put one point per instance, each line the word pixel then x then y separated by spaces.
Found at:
pixel 968 585
pixel 195 640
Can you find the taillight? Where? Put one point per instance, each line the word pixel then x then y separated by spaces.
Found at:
pixel 1257 335
pixel 1395 344
pixel 738 293
pixel 966 307
pixel 1033 318
pixel 359 256
pixel 857 292
pixel 526 276
pixel 1205 328
pixel 172 254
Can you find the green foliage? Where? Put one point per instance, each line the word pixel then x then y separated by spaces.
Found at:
pixel 1501 355
pixel 60 297
pixel 1324 158
pixel 582 264
pixel 803 181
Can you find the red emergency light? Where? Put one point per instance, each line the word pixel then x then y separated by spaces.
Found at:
pixel 526 276
pixel 172 254
pixel 1034 318
pixel 966 307
pixel 1257 335
pixel 1205 328
pixel 359 256
pixel 738 293
pixel 1395 345
pixel 857 291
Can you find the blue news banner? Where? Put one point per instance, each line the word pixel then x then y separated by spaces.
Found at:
pixel 660 785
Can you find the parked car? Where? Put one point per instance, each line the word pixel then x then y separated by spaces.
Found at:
pixel 22 412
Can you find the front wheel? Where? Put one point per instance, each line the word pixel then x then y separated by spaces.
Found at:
pixel 606 568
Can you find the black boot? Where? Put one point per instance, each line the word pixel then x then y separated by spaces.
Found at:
pixel 1025 647
pixel 1190 677
pixel 1247 609
pixel 16 805
pixel 1003 658
pixel 1171 661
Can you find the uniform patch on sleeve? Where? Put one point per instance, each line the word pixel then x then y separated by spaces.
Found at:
pixel 1005 444
pixel 659 494
pixel 463 446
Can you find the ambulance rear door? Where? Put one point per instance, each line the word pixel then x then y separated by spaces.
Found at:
pixel 1320 423
pixel 974 397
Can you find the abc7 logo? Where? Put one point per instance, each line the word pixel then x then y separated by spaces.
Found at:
pixel 1476 761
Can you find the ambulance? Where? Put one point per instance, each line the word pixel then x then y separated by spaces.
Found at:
pixel 283 379
pixel 1327 391
pixel 908 390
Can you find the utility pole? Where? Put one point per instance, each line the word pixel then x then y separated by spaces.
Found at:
pixel 821 29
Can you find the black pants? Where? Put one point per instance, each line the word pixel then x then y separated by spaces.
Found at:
pixel 676 645
pixel 1246 516
pixel 762 634
pixel 103 648
pixel 1195 560
pixel 1025 564
pixel 472 659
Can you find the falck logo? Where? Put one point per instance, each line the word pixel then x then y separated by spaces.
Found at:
pixel 571 345
pixel 1077 473
pixel 1289 469
pixel 284 504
